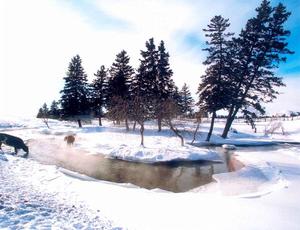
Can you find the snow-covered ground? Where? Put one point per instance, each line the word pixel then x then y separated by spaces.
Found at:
pixel 34 195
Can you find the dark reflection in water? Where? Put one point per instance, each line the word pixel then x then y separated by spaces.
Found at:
pixel 172 176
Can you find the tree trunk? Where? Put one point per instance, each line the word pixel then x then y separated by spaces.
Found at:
pixel 142 134
pixel 227 126
pixel 134 124
pixel 176 132
pixel 159 124
pixel 100 122
pixel 45 120
pixel 211 126
pixel 229 122
pixel 126 124
pixel 235 108
pixel 195 133
pixel 79 123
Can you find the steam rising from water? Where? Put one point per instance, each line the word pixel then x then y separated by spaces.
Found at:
pixel 177 178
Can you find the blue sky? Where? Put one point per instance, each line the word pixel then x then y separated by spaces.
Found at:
pixel 42 36
pixel 292 67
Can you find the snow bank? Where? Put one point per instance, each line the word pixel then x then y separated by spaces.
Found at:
pixel 151 155
pixel 251 181
pixel 228 147
pixel 35 196
pixel 8 124
pixel 292 151
pixel 3 157
pixel 41 196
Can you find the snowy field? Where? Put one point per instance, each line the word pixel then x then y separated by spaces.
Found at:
pixel 262 195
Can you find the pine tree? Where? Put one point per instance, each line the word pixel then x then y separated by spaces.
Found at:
pixel 139 107
pixel 164 83
pixel 148 72
pixel 261 46
pixel 176 97
pixel 186 102
pixel 54 112
pixel 75 95
pixel 214 90
pixel 143 88
pixel 40 113
pixel 99 92
pixel 118 89
pixel 120 73
pixel 44 114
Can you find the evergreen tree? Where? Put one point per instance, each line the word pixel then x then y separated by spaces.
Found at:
pixel 40 113
pixel 186 102
pixel 176 97
pixel 143 88
pixel 164 83
pixel 120 73
pixel 54 110
pixel 99 92
pixel 147 73
pixel 139 100
pixel 214 90
pixel 118 90
pixel 261 46
pixel 44 114
pixel 75 95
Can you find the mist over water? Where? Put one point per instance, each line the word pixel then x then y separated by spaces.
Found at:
pixel 171 176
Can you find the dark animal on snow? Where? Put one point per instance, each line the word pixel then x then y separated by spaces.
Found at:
pixel 69 139
pixel 13 141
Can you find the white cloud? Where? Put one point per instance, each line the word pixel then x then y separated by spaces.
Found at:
pixel 41 37
pixel 288 100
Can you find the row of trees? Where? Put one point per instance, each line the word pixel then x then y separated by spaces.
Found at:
pixel 240 76
pixel 123 93
pixel 240 73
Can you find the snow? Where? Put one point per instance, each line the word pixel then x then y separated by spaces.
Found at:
pixel 3 157
pixel 229 147
pixel 28 199
pixel 34 195
pixel 251 181
pixel 155 154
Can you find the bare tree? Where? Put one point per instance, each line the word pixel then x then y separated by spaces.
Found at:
pixel 44 114
pixel 198 116
pixel 274 126
pixel 139 113
pixel 118 110
pixel 170 111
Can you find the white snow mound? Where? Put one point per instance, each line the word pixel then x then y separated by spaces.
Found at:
pixel 150 155
pixel 251 181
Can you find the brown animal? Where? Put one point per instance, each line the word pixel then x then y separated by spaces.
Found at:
pixel 69 139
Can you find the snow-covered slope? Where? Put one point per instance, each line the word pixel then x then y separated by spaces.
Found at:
pixel 36 196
